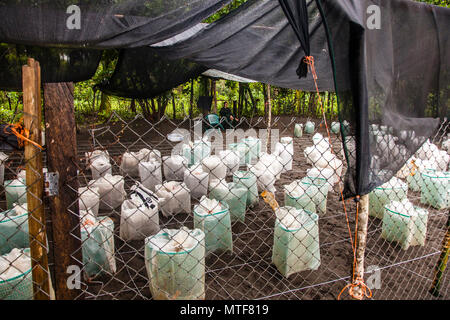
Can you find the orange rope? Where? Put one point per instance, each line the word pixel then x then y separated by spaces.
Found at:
pixel 21 133
pixel 357 282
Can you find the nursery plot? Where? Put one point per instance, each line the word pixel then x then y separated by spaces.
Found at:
pixel 248 271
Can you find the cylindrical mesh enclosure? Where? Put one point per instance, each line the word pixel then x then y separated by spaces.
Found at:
pixel 176 272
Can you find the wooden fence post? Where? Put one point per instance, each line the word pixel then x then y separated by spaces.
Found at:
pixel 269 117
pixel 31 81
pixel 62 158
pixel 361 240
pixel 442 263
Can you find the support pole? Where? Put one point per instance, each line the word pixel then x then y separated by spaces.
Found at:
pixel 62 159
pixel 191 105
pixel 442 263
pixel 269 117
pixel 174 107
pixel 35 180
pixel 361 240
pixel 214 95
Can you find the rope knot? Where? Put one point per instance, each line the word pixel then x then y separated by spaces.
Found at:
pixel 357 289
pixel 22 134
pixel 309 61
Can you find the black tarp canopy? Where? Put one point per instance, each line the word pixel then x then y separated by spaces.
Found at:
pixel 396 75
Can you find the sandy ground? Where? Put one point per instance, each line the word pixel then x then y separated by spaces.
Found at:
pixel 247 272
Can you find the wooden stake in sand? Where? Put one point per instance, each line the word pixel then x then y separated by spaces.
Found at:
pixel 62 158
pixel 442 263
pixel 31 81
pixel 269 119
pixel 361 239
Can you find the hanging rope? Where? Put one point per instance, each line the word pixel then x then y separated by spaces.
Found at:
pixel 357 288
pixel 22 134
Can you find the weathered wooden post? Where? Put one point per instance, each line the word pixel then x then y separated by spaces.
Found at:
pixel 214 95
pixel 361 240
pixel 191 105
pixel 60 136
pixel 269 117
pixel 442 263
pixel 31 81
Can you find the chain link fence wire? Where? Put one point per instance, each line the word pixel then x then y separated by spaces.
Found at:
pixel 17 263
pixel 173 210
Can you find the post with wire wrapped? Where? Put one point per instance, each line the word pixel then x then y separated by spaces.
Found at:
pixel 35 180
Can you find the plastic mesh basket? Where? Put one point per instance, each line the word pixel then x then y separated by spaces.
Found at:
pixel 381 196
pixel 176 275
pixel 298 130
pixel 217 228
pixel 16 192
pixel 243 151
pixel 435 189
pixel 236 198
pixel 13 232
pixel 98 248
pixel 304 201
pixel 254 146
pixel 309 127
pixel 296 250
pixel 404 228
pixel 318 189
pixel 247 179
pixel 19 287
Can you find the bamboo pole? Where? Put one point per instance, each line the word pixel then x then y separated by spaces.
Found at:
pixel 361 239
pixel 442 263
pixel 191 105
pixel 31 82
pixel 174 107
pixel 214 95
pixel 269 117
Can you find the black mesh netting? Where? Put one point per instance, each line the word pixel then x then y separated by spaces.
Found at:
pixel 101 23
pixel 57 64
pixel 142 73
pixel 154 77
pixel 392 82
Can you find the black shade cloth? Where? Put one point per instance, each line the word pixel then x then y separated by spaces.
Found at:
pixel 141 74
pixel 297 14
pixel 392 83
pixel 102 23
pixel 8 141
pixel 57 64
pixel 396 77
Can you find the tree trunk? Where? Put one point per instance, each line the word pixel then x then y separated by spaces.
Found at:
pixel 62 158
pixel 191 107
pixel 174 107
pixel 265 102
pixel 133 106
pixel 214 95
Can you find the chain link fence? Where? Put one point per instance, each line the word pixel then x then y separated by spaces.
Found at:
pixel 185 210
pixel 24 232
